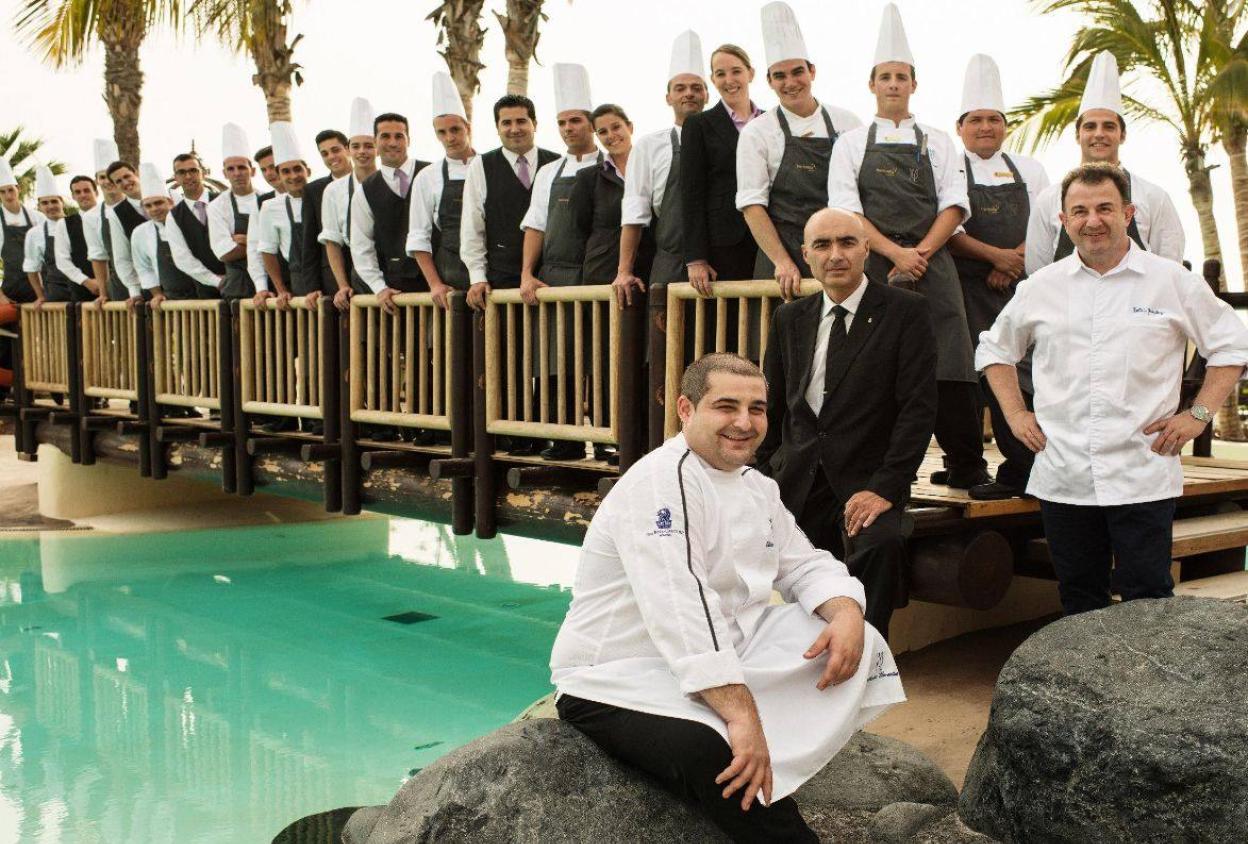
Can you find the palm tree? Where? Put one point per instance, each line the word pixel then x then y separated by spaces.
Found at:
pixel 1224 35
pixel 259 28
pixel 22 155
pixel 459 28
pixel 63 32
pixel 520 32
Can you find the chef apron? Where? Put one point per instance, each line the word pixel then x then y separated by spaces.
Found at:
pixel 602 247
pixel 563 251
pixel 174 283
pixel 297 281
pixel 13 254
pixel 117 291
pixel 57 287
pixel 798 191
pixel 237 283
pixel 669 236
pixel 446 233
pixel 897 186
pixel 357 283
pixel 1065 246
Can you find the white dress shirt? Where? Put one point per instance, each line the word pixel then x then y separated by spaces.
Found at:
pixel 33 254
pixel 273 237
pixel 334 201
pixel 143 246
pixel 819 363
pixel 539 202
pixel 760 147
pixel 221 220
pixel 1155 215
pixel 123 262
pixel 93 232
pixel 183 258
pixel 645 180
pixel 423 215
pixel 64 257
pixel 363 249
pixel 672 596
pixel 946 161
pixel 1108 361
pixel 19 219
pixel 472 227
pixel 255 263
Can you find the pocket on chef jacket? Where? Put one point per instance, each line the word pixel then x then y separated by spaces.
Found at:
pixel 1151 344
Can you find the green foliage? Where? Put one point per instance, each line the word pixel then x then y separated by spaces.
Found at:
pixel 23 156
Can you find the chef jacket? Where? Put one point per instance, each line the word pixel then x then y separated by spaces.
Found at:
pixel 760 148
pixel 143 246
pixel 221 220
pixel 539 201
pixel 422 216
pixel 645 180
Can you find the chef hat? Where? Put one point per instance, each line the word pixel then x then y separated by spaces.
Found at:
pixel 234 142
pixel 782 37
pixel 892 45
pixel 7 178
pixel 105 152
pixel 152 182
pixel 361 122
pixel 686 56
pixel 45 183
pixel 572 88
pixel 285 144
pixel 446 99
pixel 1102 90
pixel 981 88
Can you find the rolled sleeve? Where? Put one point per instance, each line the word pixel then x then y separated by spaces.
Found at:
pixel 843 175
pixel 63 254
pixel 268 239
pixel 255 262
pixel 184 259
pixel 637 207
pixel 1219 334
pixel 1041 232
pixel 1009 338
pixel 951 189
pixel 424 210
pixel 753 180
pixel 32 254
pixel 808 575
pixel 92 232
pixel 472 226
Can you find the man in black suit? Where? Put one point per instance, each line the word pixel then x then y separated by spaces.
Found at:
pixel 851 403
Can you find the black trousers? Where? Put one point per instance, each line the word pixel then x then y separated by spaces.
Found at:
pixel 876 556
pixel 685 757
pixel 735 261
pixel 1087 543
pixel 959 427
pixel 1015 469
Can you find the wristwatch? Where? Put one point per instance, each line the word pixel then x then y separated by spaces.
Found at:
pixel 1200 412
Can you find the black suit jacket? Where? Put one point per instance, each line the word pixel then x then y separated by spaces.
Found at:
pixel 313 192
pixel 878 415
pixel 708 182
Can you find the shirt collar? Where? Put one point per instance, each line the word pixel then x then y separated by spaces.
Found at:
pixel 885 123
pixel 851 304
pixel 512 157
pixel 755 111
pixel 1130 261
pixel 389 171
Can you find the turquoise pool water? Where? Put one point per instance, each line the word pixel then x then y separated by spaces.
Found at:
pixel 213 686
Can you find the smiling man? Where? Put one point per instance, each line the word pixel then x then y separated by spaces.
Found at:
pixel 671 658
pixel 1110 326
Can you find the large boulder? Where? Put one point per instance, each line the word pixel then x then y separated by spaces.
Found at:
pixel 1128 724
pixel 873 771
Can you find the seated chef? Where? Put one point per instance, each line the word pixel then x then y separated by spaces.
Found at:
pixel 672 658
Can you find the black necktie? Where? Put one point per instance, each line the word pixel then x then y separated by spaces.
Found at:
pixel 838 337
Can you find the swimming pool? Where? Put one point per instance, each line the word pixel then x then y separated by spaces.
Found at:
pixel 216 685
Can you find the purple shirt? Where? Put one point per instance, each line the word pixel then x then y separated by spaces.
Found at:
pixel 755 111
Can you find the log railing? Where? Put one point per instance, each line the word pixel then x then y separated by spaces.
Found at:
pixel 752 325
pixel 280 359
pixel 186 353
pixel 46 348
pixel 110 360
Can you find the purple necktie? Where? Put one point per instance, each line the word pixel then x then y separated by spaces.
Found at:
pixel 401 176
pixel 522 172
pixel 200 212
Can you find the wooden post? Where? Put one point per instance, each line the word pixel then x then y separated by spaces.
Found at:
pixel 656 337
pixel 143 353
pixel 348 352
pixel 23 432
pixel 73 377
pixel 631 408
pixel 483 441
pixel 330 395
pixel 235 473
pixel 460 411
pixel 159 324
pixel 78 385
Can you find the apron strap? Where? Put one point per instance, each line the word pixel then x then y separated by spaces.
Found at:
pixel 234 204
pixel 26 215
pixel 290 215
pixel 827 122
pixel 970 174
pixel 1018 177
pixel 871 133
pixel 350 196
pixel 446 172
pixel 675 143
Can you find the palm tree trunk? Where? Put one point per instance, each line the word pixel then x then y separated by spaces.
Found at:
pixel 1235 142
pixel 520 33
pixel 459 25
pixel 276 71
pixel 1200 188
pixel 121 32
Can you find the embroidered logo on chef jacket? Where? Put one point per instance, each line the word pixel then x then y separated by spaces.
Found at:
pixel 771 525
pixel 1138 309
pixel 877 670
pixel 663 519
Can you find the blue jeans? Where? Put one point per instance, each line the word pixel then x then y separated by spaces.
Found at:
pixel 1087 542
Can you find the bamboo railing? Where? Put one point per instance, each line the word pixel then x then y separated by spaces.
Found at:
pixel 521 364
pixel 280 361
pixel 186 353
pixel 750 333
pixel 110 361
pixel 400 363
pixel 45 347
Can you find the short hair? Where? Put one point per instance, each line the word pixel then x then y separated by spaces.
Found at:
pixel 733 50
pixel 187 156
pixel 330 134
pixel 1122 124
pixel 696 381
pixel 1004 117
pixel 77 179
pixel 514 101
pixel 609 108
pixel 1097 173
pixel 263 152
pixel 389 117
pixel 120 165
pixel 914 77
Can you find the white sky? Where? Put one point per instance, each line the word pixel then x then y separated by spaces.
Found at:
pixel 193 87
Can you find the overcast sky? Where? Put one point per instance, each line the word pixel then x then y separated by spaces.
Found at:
pixel 385 50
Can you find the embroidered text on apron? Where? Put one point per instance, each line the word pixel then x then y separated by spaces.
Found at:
pixel 563 251
pixel 446 237
pixel 897 186
pixel 669 234
pixel 237 283
pixel 13 255
pixel 1065 246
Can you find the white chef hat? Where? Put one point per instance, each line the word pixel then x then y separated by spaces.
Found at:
pixel 686 56
pixel 285 145
pixel 234 142
pixel 782 36
pixel 981 87
pixel 152 183
pixel 45 183
pixel 572 88
pixel 7 179
pixel 892 45
pixel 361 122
pixel 446 99
pixel 1102 90
pixel 105 153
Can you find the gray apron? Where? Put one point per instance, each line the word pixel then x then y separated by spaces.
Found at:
pixel 116 290
pixel 563 251
pixel 174 283
pixel 56 285
pixel 446 233
pixel 293 275
pixel 13 254
pixel 898 190
pixel 1066 247
pixel 237 283
pixel 798 191
pixel 669 235
pixel 998 218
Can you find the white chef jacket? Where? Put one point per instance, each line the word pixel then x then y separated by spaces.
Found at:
pixel 539 202
pixel 363 248
pixel 183 258
pixel 123 263
pixel 221 219
pixel 850 148
pixel 64 258
pixel 819 361
pixel 36 239
pixel 472 227
pixel 143 244
pixel 761 147
pixel 672 596
pixel 423 216
pixel 334 201
pixel 645 180
pixel 19 219
pixel 1155 216
pixel 1107 362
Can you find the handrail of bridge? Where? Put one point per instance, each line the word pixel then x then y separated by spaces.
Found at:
pixel 110 359
pixel 45 347
pixel 186 353
pixel 280 361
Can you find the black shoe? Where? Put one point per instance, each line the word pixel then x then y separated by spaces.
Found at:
pixel 525 447
pixel 608 454
pixel 564 450
pixel 959 480
pixel 995 491
pixel 313 427
pixel 422 437
pixel 940 476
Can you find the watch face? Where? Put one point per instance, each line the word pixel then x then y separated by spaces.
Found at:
pixel 1200 412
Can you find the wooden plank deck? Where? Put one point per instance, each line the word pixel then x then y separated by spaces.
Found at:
pixel 1202 476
